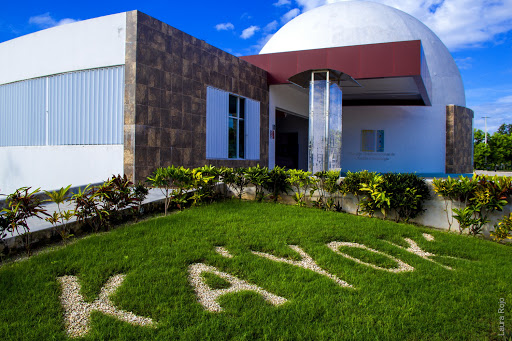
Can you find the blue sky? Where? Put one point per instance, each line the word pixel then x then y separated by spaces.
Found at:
pixel 477 32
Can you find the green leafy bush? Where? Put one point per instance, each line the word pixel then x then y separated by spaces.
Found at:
pixel 406 192
pixel 300 181
pixel 503 229
pixel 21 205
pixel 481 196
pixel 60 218
pixel 277 183
pixel 259 177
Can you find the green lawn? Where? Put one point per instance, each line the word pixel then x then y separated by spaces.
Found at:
pixel 429 303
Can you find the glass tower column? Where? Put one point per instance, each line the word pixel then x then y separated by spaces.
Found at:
pixel 325 116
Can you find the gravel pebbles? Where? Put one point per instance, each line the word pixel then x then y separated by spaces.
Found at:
pixel 223 252
pixel 77 312
pixel 307 263
pixel 208 297
pixel 402 267
pixel 428 237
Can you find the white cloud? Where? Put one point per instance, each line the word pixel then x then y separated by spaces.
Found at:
pixel 271 26
pixel 249 32
pixel 282 3
pixel 459 23
pixel 225 26
pixel 290 15
pixel 497 109
pixel 505 100
pixel 310 4
pixel 46 21
pixel 464 63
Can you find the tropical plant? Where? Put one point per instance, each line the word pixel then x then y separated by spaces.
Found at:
pixel 352 184
pixel 503 229
pixel 140 192
pixel 88 208
pixel 407 192
pixel 59 219
pixel 22 205
pixel 259 177
pixel 300 181
pixel 327 185
pixel 375 197
pixel 277 183
pixel 235 178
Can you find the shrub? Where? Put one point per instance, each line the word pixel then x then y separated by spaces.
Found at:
pixel 236 179
pixel 328 186
pixel 59 218
pixel 481 196
pixel 407 193
pixel 21 205
pixel 300 181
pixel 259 177
pixel 352 184
pixel 503 229
pixel 277 183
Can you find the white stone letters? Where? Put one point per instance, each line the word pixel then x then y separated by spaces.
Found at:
pixel 77 312
pixel 402 267
pixel 307 263
pixel 208 297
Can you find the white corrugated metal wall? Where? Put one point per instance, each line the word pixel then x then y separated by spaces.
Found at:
pixel 217 122
pixel 217 107
pixel 84 108
pixel 252 128
pixel 22 113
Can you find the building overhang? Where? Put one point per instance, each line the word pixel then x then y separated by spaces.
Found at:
pixel 393 73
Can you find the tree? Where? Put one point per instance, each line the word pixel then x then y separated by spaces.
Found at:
pixel 497 152
pixel 505 129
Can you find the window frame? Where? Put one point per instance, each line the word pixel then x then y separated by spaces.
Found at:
pixel 377 145
pixel 239 121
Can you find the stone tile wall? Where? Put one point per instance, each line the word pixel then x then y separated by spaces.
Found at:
pixel 459 139
pixel 167 73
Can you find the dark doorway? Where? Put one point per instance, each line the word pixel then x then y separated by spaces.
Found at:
pixel 291 141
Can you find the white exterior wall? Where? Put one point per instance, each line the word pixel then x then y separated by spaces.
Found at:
pixel 53 167
pixel 416 135
pixel 87 44
pixel 414 140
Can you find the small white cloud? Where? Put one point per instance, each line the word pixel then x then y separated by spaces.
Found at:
pixel 271 26
pixel 46 21
pixel 225 26
pixel 464 63
pixel 249 32
pixel 282 3
pixel 505 100
pixel 290 15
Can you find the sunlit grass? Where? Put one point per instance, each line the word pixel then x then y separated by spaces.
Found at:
pixel 429 303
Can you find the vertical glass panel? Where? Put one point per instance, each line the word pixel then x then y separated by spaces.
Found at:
pixel 380 141
pixel 232 154
pixel 241 139
pixel 335 127
pixel 368 140
pixel 232 105
pixel 317 126
pixel 242 107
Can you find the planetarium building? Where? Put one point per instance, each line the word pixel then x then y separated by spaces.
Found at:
pixel 350 86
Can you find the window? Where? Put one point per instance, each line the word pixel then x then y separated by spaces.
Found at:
pixel 372 141
pixel 232 126
pixel 236 148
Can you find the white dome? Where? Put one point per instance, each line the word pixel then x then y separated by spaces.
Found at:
pixel 361 22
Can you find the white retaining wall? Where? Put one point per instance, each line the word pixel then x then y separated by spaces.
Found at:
pixel 434 216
